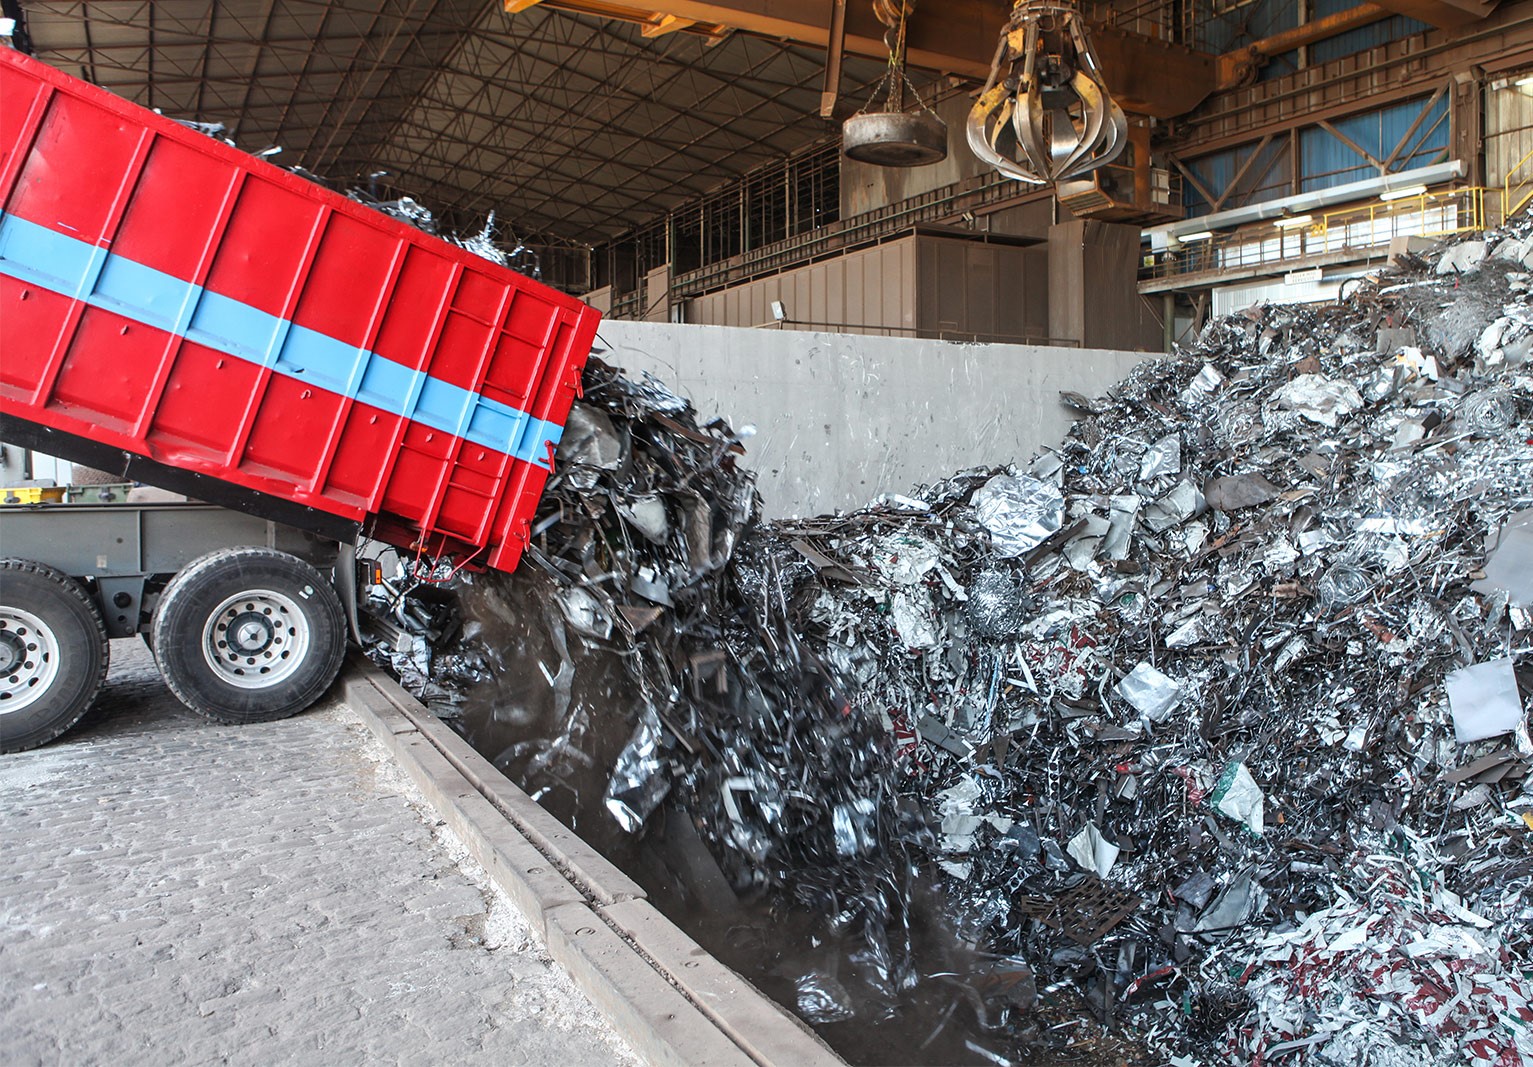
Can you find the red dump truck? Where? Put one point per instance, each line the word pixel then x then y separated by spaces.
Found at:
pixel 184 315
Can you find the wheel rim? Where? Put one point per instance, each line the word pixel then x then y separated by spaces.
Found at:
pixel 29 659
pixel 256 639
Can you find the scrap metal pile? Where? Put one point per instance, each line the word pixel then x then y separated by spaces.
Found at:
pixel 483 244
pixel 1225 681
pixel 406 209
pixel 1209 725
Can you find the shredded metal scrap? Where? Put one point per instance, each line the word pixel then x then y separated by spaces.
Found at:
pixel 1208 724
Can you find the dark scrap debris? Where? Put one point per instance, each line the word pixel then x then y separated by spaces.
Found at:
pixel 405 209
pixel 1200 739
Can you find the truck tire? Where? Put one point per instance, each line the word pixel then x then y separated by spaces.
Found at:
pixel 247 635
pixel 53 653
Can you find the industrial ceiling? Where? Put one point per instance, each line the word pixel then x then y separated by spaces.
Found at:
pixel 572 128
pixel 577 120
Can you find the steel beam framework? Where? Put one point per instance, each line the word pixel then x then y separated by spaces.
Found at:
pixel 572 128
pixel 579 127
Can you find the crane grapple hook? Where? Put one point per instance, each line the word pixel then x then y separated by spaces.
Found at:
pixel 1045 114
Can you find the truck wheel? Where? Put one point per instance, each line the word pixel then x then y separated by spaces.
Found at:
pixel 53 653
pixel 248 635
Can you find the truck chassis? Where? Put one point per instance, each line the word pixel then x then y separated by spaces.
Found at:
pixel 248 618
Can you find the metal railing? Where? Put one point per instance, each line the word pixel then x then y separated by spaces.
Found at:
pixel 1361 229
pixel 1515 194
pixel 629 305
pixel 869 228
pixel 1434 215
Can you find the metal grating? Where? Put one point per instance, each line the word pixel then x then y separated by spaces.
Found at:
pixel 1087 915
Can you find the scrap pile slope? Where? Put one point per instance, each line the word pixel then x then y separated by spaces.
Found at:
pixel 1201 737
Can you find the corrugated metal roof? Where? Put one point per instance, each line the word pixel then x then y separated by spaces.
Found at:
pixel 569 127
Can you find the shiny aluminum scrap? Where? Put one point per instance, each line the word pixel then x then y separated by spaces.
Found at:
pixel 1242 634
pixel 1045 114
pixel 1205 723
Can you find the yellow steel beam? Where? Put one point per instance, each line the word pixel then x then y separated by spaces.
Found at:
pixel 1146 75
pixel 664 24
pixel 1240 66
pixel 956 37
pixel 645 16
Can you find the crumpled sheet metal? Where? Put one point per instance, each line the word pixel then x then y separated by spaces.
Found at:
pixel 413 213
pixel 1093 852
pixel 1396 970
pixel 1484 700
pixel 407 211
pixel 995 604
pixel 1237 796
pixel 1162 459
pixel 1182 502
pixel 1509 568
pixel 1020 512
pixel 590 441
pixel 1152 693
pixel 930 690
pixel 638 784
pixel 1323 400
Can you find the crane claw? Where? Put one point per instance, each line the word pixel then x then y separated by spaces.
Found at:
pixel 1045 114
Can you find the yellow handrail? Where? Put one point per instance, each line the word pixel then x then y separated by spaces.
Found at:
pixel 1515 197
pixel 1359 227
pixel 1429 214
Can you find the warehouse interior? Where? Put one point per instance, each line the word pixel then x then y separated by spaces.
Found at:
pixel 684 164
pixel 835 531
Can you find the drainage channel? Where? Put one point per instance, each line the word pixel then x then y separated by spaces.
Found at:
pixel 667 996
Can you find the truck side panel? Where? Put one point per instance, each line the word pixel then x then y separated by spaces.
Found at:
pixel 169 296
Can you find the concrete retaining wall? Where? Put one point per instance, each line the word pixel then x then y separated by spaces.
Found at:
pixel 842 418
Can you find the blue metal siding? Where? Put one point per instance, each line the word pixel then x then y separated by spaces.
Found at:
pixel 1238 25
pixel 1214 172
pixel 1279 66
pixel 1269 177
pixel 1327 161
pixel 1324 161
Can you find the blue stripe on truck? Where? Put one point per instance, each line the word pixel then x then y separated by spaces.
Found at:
pixel 74 268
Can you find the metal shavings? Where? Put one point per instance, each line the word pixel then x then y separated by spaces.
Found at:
pixel 995 604
pixel 923 700
pixel 1488 411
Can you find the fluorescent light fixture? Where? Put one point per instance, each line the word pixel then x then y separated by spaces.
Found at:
pixel 1293 220
pixel 1401 194
pixel 1524 81
pixel 1201 235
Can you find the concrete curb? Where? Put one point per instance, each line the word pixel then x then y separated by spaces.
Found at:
pixel 673 1002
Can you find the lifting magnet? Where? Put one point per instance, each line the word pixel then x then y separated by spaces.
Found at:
pixel 895 139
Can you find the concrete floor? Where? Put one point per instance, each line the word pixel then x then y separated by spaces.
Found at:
pixel 174 892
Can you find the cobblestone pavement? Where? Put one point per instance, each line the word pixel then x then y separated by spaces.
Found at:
pixel 175 892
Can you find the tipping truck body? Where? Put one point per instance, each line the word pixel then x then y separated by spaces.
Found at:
pixel 182 314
